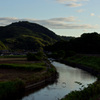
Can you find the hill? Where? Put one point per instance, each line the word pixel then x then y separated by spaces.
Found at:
pixel 24 35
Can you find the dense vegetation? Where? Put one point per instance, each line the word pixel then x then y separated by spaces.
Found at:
pixel 27 36
pixel 11 89
pixel 88 43
pixel 90 93
pixel 2 46
pixel 92 61
pixel 35 56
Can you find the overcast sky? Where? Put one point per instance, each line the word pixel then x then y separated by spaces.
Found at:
pixel 64 17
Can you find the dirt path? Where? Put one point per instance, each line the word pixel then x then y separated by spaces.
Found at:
pixel 16 60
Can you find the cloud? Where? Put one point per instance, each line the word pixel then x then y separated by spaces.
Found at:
pixel 98 16
pixel 66 1
pixel 53 23
pixel 68 19
pixel 85 30
pixel 7 20
pixel 72 26
pixel 80 11
pixel 92 14
pixel 74 4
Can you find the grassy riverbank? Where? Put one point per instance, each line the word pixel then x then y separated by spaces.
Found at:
pixel 18 73
pixel 92 92
pixel 91 61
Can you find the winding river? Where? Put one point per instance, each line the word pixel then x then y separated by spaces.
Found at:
pixel 69 79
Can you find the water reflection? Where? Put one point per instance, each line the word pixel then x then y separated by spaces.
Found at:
pixel 68 77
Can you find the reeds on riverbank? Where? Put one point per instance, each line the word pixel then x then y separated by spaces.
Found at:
pixel 89 61
pixel 11 89
pixel 90 93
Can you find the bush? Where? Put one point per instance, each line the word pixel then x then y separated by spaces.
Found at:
pixel 11 89
pixel 35 56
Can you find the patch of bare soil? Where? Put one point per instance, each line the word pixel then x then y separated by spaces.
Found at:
pixel 27 76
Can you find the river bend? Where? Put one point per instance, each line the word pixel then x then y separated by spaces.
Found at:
pixel 68 80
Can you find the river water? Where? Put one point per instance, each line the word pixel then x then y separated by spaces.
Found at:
pixel 68 80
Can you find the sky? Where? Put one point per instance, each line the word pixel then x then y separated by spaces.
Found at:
pixel 64 17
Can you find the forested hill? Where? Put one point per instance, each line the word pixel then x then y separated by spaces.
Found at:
pixel 27 36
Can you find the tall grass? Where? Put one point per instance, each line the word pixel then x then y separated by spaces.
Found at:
pixel 89 61
pixel 11 89
pixel 90 93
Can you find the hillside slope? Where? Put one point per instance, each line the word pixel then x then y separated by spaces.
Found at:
pixel 2 46
pixel 27 36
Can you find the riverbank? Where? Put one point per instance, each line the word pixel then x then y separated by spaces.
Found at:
pixel 88 63
pixel 30 73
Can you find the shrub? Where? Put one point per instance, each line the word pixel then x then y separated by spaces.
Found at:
pixel 35 56
pixel 11 89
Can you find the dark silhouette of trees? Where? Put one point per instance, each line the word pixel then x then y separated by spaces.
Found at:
pixel 87 43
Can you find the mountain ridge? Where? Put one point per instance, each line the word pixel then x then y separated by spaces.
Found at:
pixel 24 35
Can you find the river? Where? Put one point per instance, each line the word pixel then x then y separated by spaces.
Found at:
pixel 68 80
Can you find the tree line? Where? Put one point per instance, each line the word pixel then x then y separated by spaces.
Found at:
pixel 87 43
